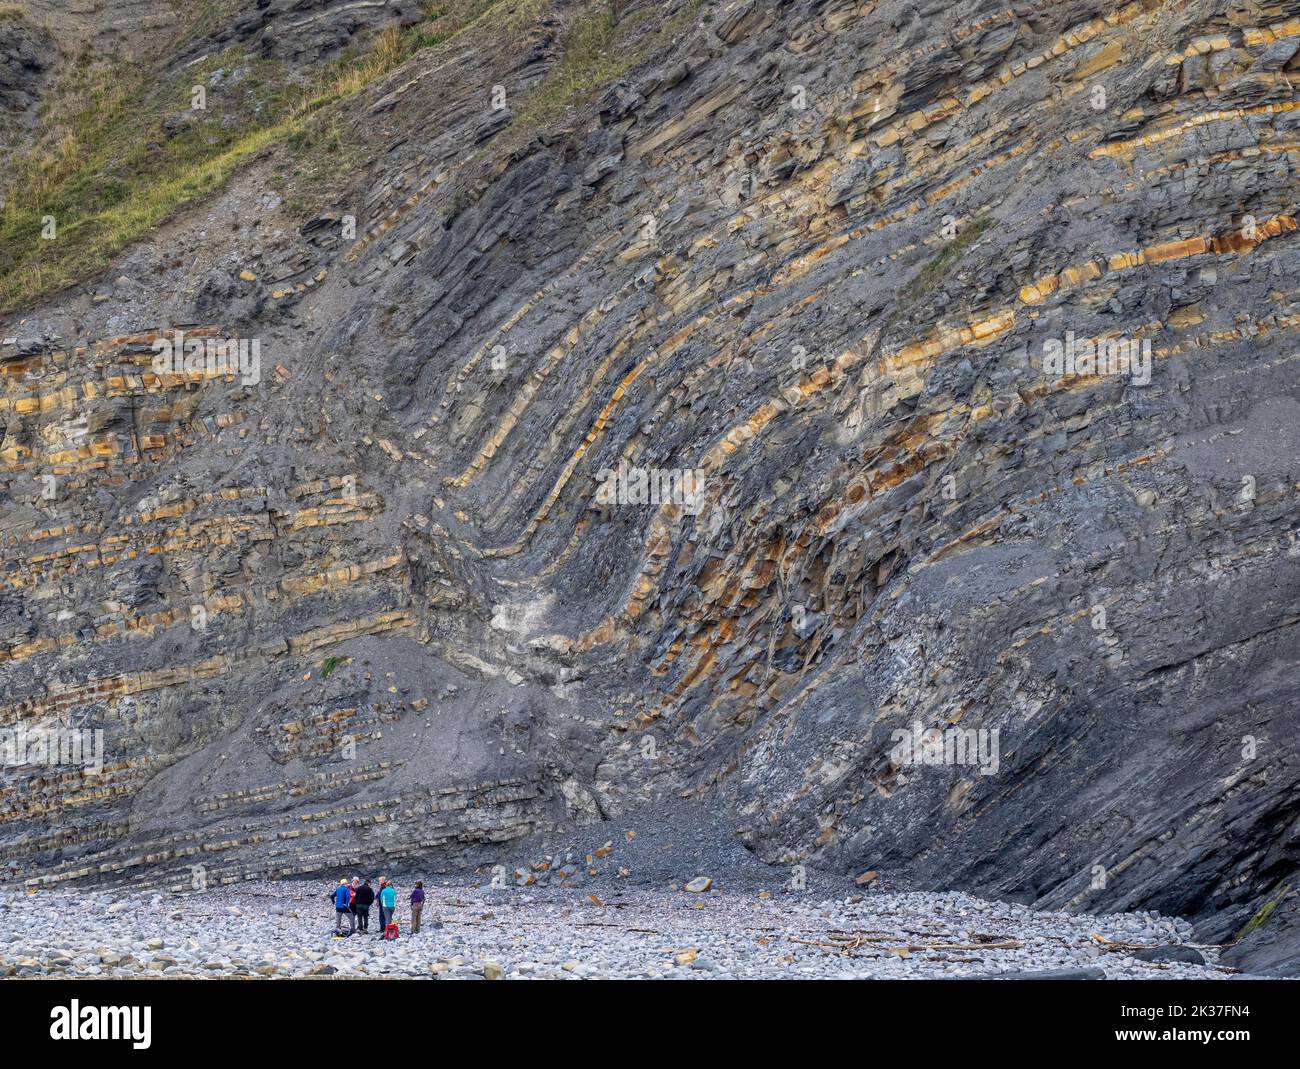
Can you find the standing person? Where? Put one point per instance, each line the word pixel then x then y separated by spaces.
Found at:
pixel 388 906
pixel 342 902
pixel 379 903
pixel 353 887
pixel 417 905
pixel 364 900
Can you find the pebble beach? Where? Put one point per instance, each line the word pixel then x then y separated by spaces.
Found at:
pixel 472 931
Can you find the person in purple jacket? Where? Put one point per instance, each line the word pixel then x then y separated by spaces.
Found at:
pixel 417 906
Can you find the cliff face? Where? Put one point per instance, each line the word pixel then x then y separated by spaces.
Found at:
pixel 806 269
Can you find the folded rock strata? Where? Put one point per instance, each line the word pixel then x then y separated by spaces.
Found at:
pixel 812 251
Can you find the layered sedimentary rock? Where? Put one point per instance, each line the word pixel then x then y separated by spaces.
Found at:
pixel 813 254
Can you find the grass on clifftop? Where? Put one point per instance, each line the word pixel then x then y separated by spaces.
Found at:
pixel 120 153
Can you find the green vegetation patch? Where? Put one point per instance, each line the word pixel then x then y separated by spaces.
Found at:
pixel 949 254
pixel 120 152
pixel 599 46
pixel 1265 911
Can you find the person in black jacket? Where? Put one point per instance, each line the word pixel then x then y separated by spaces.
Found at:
pixel 364 900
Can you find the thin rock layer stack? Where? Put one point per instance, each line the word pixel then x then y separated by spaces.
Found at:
pixel 940 607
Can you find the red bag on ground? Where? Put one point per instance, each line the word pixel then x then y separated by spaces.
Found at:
pixel 391 932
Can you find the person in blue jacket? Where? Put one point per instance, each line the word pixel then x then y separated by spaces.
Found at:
pixel 343 908
pixel 387 904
